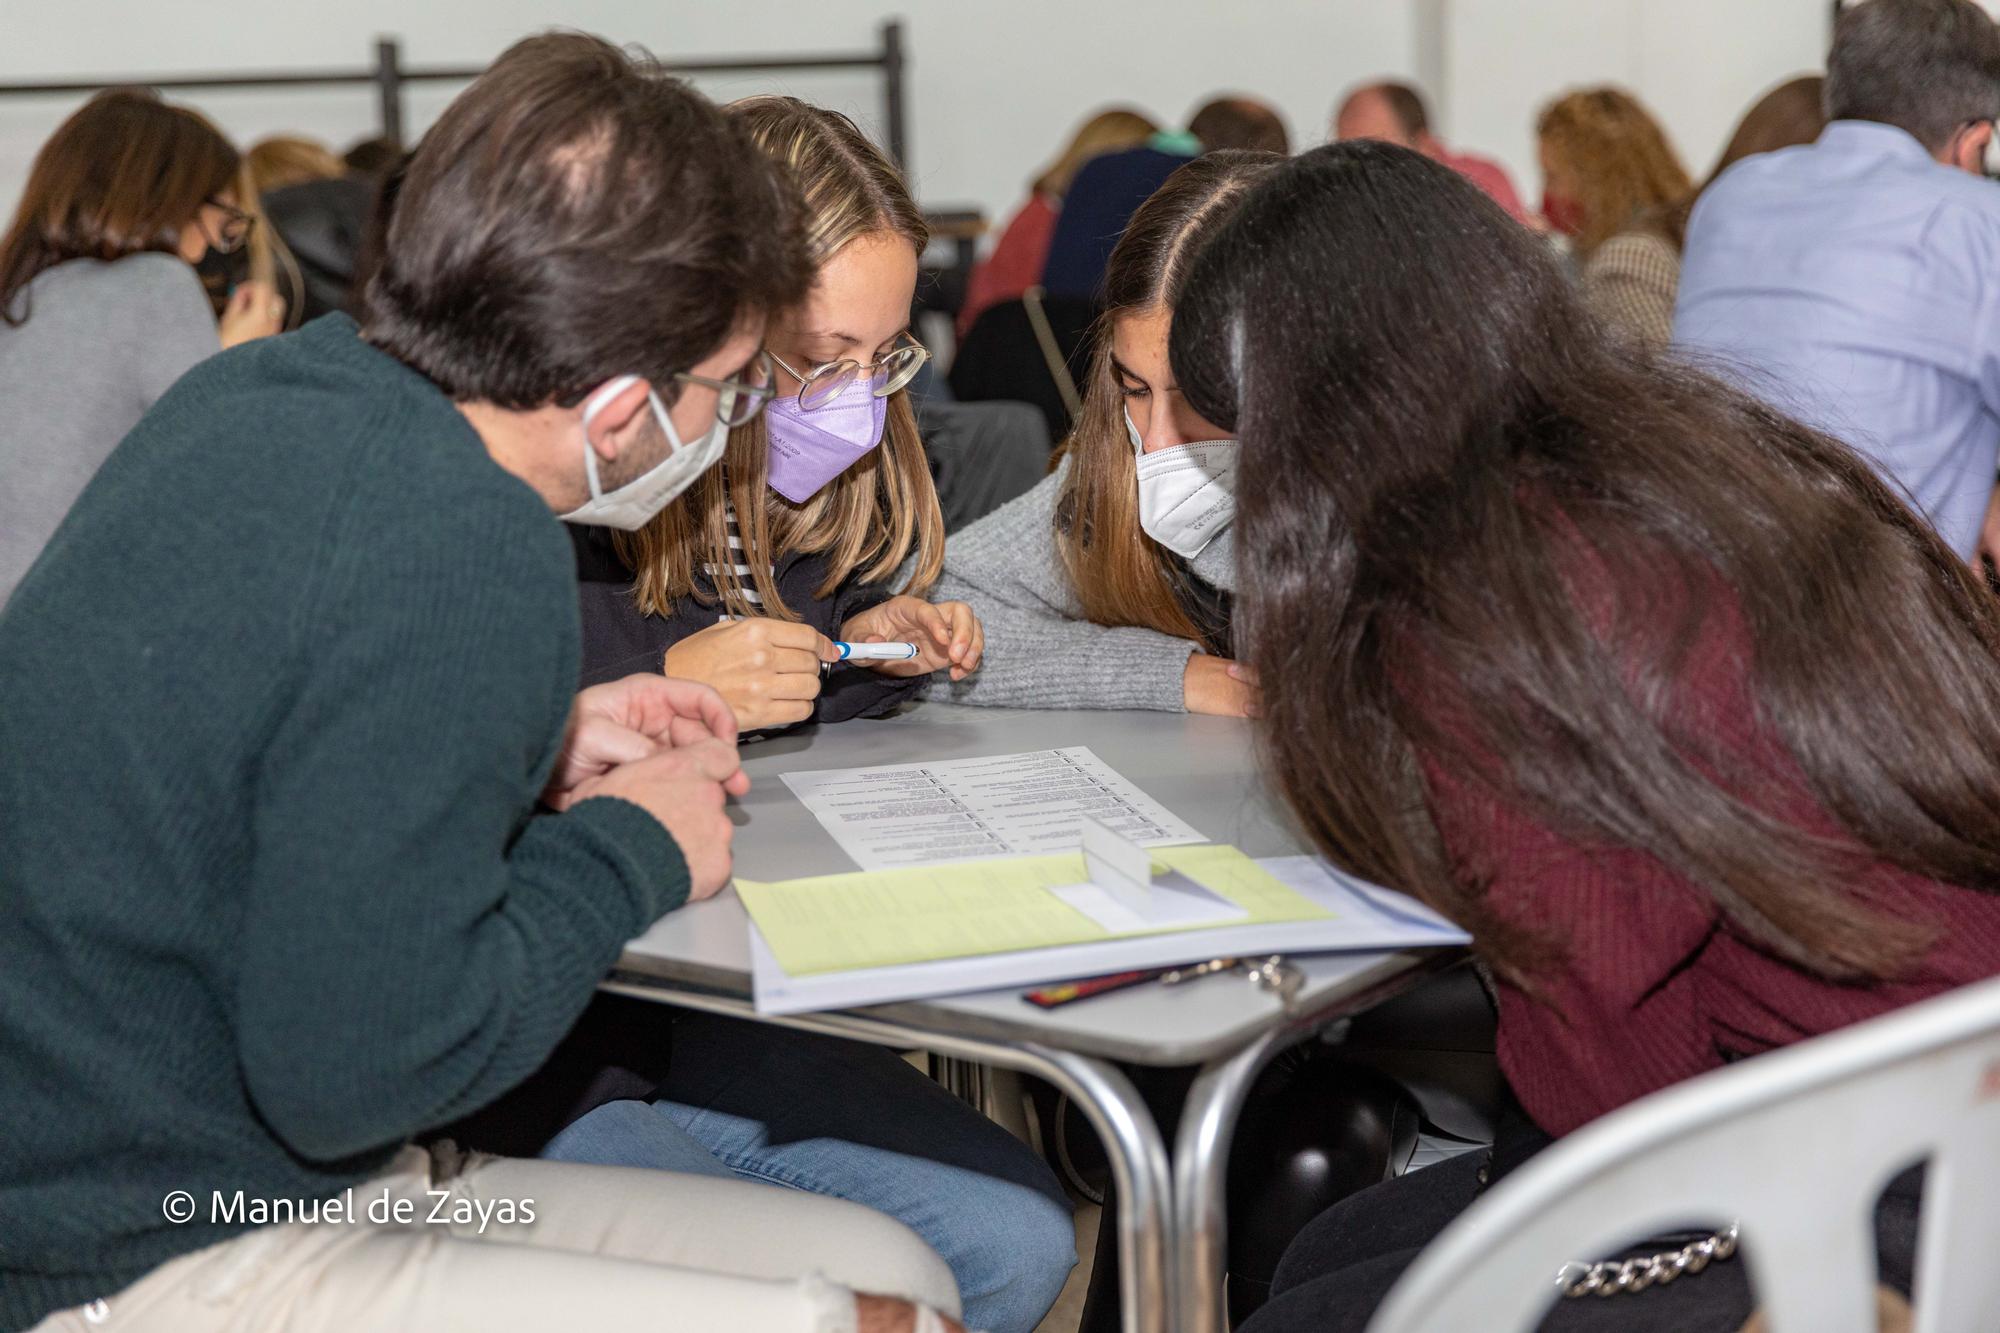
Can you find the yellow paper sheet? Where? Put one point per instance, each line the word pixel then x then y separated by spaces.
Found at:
pixel 837 923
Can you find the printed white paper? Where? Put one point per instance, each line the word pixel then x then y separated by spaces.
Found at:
pixel 1029 804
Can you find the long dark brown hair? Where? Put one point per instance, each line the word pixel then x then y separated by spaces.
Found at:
pixel 1477 533
pixel 1120 575
pixel 120 177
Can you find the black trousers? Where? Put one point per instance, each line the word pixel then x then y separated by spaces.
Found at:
pixel 1341 1267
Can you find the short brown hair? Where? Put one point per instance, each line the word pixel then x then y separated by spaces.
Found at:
pixel 121 176
pixel 1240 122
pixel 577 214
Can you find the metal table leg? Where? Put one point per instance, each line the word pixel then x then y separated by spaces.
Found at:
pixel 1132 1140
pixel 1140 1174
pixel 1201 1164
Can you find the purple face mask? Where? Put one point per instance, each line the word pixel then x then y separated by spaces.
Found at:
pixel 809 449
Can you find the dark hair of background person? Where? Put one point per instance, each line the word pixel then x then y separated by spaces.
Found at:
pixel 375 234
pixel 374 156
pixel 1473 527
pixel 1240 123
pixel 1121 576
pixel 577 214
pixel 1930 67
pixel 1790 114
pixel 120 177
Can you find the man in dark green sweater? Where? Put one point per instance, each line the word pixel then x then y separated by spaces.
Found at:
pixel 287 710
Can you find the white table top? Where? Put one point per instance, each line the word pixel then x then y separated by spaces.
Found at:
pixel 1201 768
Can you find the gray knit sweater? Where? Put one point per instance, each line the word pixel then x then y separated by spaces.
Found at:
pixel 101 342
pixel 1040 653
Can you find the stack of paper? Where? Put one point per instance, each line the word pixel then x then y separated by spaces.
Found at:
pixel 1349 917
pixel 924 918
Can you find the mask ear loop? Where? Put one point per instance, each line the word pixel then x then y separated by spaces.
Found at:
pixel 591 407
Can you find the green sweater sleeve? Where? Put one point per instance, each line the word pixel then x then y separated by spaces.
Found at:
pixel 416 941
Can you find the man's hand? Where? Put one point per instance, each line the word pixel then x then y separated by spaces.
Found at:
pixel 766 670
pixel 627 720
pixel 886 1314
pixel 947 634
pixel 684 788
pixel 1217 685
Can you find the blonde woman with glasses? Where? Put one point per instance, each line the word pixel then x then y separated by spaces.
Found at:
pixel 741 582
pixel 752 580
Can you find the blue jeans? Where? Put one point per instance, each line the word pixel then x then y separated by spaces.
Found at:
pixel 856 1122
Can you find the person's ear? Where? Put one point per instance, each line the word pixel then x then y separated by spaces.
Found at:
pixel 1967 149
pixel 1976 141
pixel 614 421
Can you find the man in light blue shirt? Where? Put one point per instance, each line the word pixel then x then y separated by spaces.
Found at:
pixel 1855 282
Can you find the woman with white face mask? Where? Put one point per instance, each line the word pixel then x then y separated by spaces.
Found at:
pixel 747 580
pixel 1108 585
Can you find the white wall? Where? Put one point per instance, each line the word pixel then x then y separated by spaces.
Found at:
pixel 993 87
pixel 1698 64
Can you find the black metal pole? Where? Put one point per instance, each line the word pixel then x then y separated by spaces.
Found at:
pixel 893 111
pixel 389 88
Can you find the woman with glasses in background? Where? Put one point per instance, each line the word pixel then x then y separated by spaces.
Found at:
pixel 101 308
pixel 749 578
pixel 822 496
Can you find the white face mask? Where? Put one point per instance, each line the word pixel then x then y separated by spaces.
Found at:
pixel 631 505
pixel 1187 494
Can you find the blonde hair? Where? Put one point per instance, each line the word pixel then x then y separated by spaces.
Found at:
pixel 873 516
pixel 1109 131
pixel 1625 170
pixel 286 159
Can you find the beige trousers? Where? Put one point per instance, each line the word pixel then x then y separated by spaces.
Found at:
pixel 609 1248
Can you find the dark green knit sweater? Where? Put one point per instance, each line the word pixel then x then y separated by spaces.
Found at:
pixel 275 706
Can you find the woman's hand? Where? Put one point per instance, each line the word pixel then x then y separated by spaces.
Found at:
pixel 947 634
pixel 1218 686
pixel 255 310
pixel 766 670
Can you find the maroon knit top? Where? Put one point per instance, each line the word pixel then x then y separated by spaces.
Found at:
pixel 1655 983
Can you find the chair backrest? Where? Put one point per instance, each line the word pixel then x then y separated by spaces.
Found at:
pixel 1796 1146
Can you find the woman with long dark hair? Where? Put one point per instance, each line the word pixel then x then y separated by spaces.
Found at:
pixel 1666 697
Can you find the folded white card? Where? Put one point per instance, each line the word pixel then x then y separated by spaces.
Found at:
pixel 1124 894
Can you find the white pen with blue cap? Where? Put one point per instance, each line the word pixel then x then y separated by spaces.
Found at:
pixel 875 652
